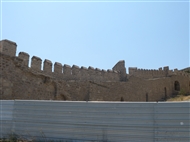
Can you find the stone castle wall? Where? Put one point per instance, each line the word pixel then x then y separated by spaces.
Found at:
pixel 63 72
pixel 39 82
pixel 165 72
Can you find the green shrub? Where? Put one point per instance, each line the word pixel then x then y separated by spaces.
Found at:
pixel 182 93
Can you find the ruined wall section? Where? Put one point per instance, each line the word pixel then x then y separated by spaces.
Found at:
pixel 120 67
pixel 60 72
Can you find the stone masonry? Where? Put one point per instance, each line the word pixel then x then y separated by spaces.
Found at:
pixel 65 82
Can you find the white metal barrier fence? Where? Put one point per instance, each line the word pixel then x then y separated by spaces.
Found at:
pixel 96 121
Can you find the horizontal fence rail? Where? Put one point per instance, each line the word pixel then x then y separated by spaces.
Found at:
pixel 96 121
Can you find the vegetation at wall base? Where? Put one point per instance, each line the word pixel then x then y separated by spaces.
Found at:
pixel 182 96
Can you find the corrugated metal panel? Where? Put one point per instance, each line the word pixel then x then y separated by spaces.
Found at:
pixel 85 121
pixel 102 121
pixel 172 122
pixel 6 118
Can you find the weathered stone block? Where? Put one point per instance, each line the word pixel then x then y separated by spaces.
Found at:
pixel 160 69
pixel 92 73
pixel 8 47
pixel 132 70
pixel 36 63
pixel 75 70
pixel 57 68
pixel 175 70
pixel 166 68
pixel 84 73
pixel 47 66
pixel 25 57
pixel 67 69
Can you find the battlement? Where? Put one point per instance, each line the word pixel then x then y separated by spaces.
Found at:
pixel 177 72
pixel 8 47
pixel 144 73
pixel 64 72
pixel 30 77
pixel 161 72
pixel 74 72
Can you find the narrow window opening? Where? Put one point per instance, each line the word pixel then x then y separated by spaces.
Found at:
pixel 165 93
pixel 122 99
pixel 146 97
pixel 176 86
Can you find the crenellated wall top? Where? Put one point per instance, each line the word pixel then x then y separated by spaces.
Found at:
pixel 117 73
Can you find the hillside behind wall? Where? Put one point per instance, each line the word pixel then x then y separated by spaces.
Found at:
pixel 61 72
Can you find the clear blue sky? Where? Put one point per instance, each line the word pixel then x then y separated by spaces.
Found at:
pixel 146 34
